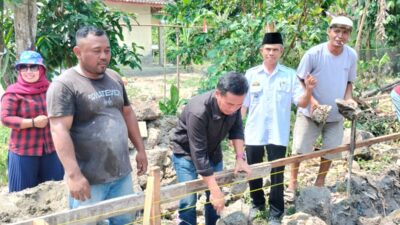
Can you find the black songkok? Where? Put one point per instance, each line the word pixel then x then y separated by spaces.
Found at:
pixel 272 38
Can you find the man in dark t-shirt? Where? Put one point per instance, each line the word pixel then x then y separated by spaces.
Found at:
pixel 203 124
pixel 91 120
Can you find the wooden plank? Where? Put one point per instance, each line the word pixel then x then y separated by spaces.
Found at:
pixel 39 222
pixel 143 129
pixel 152 211
pixel 174 192
pixel 148 200
pixel 299 158
pixel 94 213
pixel 156 204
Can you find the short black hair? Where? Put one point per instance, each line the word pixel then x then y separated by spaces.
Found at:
pixel 233 82
pixel 86 30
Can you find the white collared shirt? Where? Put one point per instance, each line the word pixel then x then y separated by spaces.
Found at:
pixel 269 103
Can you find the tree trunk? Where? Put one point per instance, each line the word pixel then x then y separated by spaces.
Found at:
pixel 25 24
pixel 360 27
pixel 1 26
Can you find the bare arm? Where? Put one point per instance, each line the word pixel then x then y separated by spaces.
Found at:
pixel 349 91
pixel 216 195
pixel 136 139
pixel 308 84
pixel 314 103
pixel 348 95
pixel 78 185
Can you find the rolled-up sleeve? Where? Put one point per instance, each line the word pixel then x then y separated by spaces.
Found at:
pixel 197 130
pixel 9 107
pixel 298 90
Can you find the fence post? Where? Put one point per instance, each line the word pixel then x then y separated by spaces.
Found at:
pixel 152 212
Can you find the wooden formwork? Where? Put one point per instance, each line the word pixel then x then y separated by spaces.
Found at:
pixel 154 196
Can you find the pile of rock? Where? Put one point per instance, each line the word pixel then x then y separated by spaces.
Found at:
pixel 157 132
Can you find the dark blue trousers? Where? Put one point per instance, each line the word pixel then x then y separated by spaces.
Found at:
pixel 255 154
pixel 29 171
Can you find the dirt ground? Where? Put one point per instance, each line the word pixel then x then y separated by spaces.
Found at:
pixel 155 88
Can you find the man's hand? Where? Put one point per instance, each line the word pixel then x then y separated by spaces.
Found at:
pixel 217 200
pixel 141 162
pixel 41 121
pixel 241 165
pixel 78 186
pixel 310 82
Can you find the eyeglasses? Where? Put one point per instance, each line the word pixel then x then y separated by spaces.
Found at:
pixel 25 68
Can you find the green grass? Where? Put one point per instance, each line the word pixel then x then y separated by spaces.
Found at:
pixel 4 135
pixel 376 166
pixel 132 91
pixel 191 82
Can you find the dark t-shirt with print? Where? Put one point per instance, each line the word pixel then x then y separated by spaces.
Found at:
pixel 98 131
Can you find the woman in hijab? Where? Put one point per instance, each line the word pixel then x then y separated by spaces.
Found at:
pixel 31 157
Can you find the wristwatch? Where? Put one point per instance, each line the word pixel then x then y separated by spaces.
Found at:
pixel 241 155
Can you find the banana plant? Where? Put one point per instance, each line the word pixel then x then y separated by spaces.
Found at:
pixel 169 106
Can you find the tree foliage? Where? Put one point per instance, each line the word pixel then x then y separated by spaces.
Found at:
pixel 57 24
pixel 236 28
pixel 59 20
pixel 7 45
pixel 236 31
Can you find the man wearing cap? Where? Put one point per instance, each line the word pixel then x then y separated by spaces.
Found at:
pixel 334 65
pixel 273 89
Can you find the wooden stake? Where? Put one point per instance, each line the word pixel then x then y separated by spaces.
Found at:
pixel 39 222
pixel 152 212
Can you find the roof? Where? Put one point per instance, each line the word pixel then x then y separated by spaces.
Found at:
pixel 145 2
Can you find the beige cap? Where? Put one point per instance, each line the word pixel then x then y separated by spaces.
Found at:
pixel 341 20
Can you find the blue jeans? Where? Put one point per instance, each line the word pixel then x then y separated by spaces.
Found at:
pixel 186 171
pixel 100 192
pixel 396 102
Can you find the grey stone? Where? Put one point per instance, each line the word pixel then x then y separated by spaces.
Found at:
pixel 153 138
pixel 235 214
pixel 392 219
pixel 316 202
pixel 343 213
pixel 156 157
pixel 302 218
pixel 369 221
pixel 146 110
pixel 359 153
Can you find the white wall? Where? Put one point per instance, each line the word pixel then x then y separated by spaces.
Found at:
pixel 141 35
